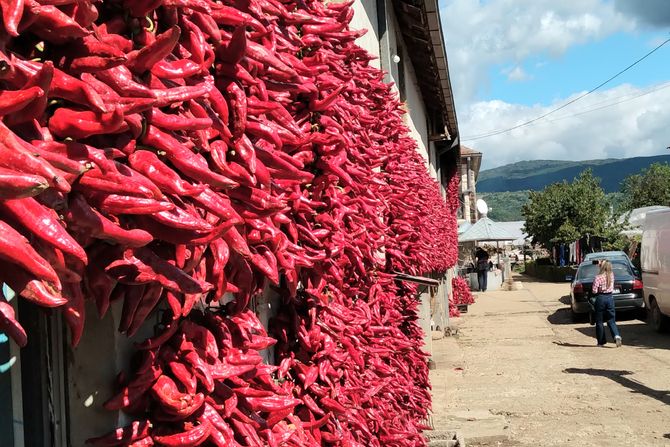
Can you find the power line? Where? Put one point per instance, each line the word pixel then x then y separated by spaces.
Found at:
pixel 561 107
pixel 595 109
pixel 606 104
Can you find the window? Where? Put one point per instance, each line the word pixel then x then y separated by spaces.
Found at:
pixel 32 399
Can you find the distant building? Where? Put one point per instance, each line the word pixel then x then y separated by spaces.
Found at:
pixel 469 164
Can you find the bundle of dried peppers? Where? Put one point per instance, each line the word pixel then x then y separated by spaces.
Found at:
pixel 189 154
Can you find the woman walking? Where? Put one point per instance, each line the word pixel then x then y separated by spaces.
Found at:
pixel 603 286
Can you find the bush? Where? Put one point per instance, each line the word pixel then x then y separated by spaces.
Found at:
pixel 549 272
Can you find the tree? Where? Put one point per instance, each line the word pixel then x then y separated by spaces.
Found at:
pixel 650 187
pixel 564 212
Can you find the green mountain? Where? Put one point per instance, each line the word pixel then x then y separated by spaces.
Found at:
pixel 505 189
pixel 505 206
pixel 535 175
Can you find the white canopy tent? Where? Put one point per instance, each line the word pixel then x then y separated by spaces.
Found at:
pixel 486 230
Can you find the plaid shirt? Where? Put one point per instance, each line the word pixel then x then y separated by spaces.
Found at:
pixel 600 284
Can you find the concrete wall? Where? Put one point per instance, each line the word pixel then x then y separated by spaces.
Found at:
pixel 425 321
pixel 91 371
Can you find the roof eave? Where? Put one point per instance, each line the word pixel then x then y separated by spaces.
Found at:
pixel 421 28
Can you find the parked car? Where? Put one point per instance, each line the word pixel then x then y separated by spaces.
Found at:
pixel 628 288
pixel 605 255
pixel 610 256
pixel 655 261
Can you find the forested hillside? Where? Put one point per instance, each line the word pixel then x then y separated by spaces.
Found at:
pixel 535 175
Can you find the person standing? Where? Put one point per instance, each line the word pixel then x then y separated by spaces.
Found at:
pixel 482 258
pixel 603 286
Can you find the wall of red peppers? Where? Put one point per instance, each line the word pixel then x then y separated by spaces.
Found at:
pixel 186 155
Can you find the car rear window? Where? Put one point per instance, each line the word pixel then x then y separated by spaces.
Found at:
pixel 589 271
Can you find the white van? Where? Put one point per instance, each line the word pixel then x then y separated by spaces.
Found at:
pixel 655 260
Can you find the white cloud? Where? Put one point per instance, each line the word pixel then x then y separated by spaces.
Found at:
pixel 480 34
pixel 517 74
pixel 636 126
pixel 653 12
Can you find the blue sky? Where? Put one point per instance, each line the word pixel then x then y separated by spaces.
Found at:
pixel 514 60
pixel 581 68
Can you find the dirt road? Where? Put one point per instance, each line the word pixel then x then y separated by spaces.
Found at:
pixel 520 373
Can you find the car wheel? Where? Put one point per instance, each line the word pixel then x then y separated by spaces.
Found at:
pixel 657 320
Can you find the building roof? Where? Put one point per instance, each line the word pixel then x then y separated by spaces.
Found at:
pixel 515 228
pixel 486 229
pixel 421 29
pixel 475 158
pixel 469 151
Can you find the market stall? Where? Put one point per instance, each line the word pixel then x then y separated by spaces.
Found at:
pixel 484 230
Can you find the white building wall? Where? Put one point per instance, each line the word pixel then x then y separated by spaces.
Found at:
pixel 365 17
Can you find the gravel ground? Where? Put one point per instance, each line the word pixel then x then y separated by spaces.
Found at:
pixel 519 372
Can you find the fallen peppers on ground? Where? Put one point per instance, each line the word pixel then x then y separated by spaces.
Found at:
pixel 191 154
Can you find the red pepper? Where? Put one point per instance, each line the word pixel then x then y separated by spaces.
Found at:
pixel 16 249
pixel 152 267
pixel 16 185
pixel 151 297
pixel 165 97
pixel 66 86
pixel 190 438
pixel 69 123
pixel 121 80
pixel 44 224
pixel 227 15
pixel 12 11
pixel 13 155
pixel 135 390
pixel 165 178
pixel 40 292
pixel 10 326
pixel 173 401
pixel 176 122
pixel 12 101
pixel 193 165
pixel 92 64
pixel 179 218
pixel 143 59
pixel 221 431
pixel 238 100
pixel 55 26
pixel 181 69
pixel 117 204
pixel 182 373
pixel 136 431
pixel 74 311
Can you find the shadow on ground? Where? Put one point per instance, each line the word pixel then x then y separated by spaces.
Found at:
pixel 527 278
pixel 563 315
pixel 636 334
pixel 620 378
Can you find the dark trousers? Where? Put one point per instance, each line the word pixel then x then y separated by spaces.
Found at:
pixel 604 311
pixel 481 279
